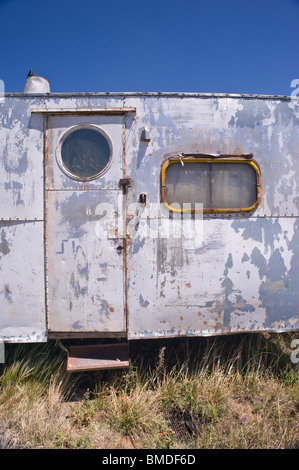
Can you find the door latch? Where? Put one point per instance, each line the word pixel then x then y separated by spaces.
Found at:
pixel 125 183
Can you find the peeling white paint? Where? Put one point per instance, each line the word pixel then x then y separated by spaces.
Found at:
pixel 238 273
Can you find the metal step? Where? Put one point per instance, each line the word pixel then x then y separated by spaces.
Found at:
pixel 98 357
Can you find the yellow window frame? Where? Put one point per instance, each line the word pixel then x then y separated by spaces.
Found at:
pixel 229 159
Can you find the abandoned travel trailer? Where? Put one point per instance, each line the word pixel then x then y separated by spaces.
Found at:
pixel 146 215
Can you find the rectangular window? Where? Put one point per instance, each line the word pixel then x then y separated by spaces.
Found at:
pixel 222 185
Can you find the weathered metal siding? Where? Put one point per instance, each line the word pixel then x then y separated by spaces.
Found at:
pixel 22 287
pixel 244 272
pixel 239 273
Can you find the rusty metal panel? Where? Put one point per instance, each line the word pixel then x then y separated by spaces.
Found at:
pixel 98 357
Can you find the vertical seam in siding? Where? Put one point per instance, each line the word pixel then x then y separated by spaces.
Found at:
pixel 46 160
pixel 125 276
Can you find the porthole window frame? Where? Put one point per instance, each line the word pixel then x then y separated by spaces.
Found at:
pixel 69 131
pixel 214 160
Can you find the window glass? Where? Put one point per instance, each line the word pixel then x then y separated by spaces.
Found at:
pixel 85 153
pixel 188 183
pixel 217 185
pixel 233 185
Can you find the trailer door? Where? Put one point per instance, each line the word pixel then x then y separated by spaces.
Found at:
pixel 84 164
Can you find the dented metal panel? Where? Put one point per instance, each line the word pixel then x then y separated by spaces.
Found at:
pixel 105 256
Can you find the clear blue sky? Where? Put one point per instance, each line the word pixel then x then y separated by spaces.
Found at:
pixel 225 46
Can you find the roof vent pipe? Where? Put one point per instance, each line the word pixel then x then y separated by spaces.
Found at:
pixel 35 84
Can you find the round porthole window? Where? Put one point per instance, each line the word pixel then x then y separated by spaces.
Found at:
pixel 85 153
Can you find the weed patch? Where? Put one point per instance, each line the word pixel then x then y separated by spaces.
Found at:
pixel 231 392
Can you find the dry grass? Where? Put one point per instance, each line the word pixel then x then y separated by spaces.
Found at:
pixel 232 392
